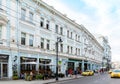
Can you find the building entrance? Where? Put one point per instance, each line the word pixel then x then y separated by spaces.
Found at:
pixel 3 66
pixel 3 70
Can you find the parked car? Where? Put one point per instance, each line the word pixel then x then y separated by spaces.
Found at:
pixel 88 73
pixel 115 73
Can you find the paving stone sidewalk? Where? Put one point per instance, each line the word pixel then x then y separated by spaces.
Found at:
pixel 37 81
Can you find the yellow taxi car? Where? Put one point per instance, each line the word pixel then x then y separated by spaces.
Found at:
pixel 110 71
pixel 115 73
pixel 87 73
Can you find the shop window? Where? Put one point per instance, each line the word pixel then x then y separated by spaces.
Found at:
pixel 59 68
pixel 44 65
pixel 23 38
pixel 28 64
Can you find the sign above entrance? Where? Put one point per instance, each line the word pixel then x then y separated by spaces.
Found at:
pixel 44 61
pixel 3 57
pixel 28 59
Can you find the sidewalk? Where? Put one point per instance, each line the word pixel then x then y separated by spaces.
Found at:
pixel 36 81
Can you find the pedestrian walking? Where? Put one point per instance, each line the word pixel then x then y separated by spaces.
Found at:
pixel 75 73
pixel 66 73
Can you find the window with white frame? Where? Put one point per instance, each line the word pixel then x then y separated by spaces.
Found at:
pixel 0 3
pixel 61 30
pixel 42 43
pixel 67 49
pixel 48 44
pixel 0 31
pixel 71 35
pixel 76 51
pixel 23 13
pixel 71 50
pixel 23 38
pixel 56 28
pixel 68 33
pixel 79 38
pixel 42 22
pixel 61 47
pixel 31 38
pixel 47 24
pixel 31 16
pixel 76 37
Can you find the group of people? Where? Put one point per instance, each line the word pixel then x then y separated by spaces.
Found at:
pixel 70 72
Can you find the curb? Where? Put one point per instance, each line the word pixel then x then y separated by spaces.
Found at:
pixel 62 80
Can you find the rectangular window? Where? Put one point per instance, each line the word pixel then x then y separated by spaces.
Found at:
pixel 76 37
pixel 31 38
pixel 0 3
pixel 23 14
pixel 76 51
pixel 67 49
pixel 23 38
pixel 68 33
pixel 31 16
pixel 47 25
pixel 0 31
pixel 48 44
pixel 61 47
pixel 71 35
pixel 42 43
pixel 71 50
pixel 56 28
pixel 79 38
pixel 42 22
pixel 61 30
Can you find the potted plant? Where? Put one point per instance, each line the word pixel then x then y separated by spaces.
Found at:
pixel 15 75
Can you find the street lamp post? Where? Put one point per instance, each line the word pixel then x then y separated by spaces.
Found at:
pixel 59 40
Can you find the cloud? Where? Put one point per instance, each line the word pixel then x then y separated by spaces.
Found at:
pixel 104 19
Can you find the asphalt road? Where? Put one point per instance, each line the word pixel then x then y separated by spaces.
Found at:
pixel 97 79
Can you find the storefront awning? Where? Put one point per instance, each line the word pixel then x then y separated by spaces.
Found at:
pixel 46 64
pixel 29 63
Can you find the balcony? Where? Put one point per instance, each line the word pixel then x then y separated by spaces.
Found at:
pixel 3 17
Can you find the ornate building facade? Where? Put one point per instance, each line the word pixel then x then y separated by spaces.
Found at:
pixel 28 33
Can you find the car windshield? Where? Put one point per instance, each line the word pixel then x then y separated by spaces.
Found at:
pixel 116 71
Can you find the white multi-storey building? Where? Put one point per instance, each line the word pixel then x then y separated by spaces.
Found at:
pixel 28 33
pixel 106 60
